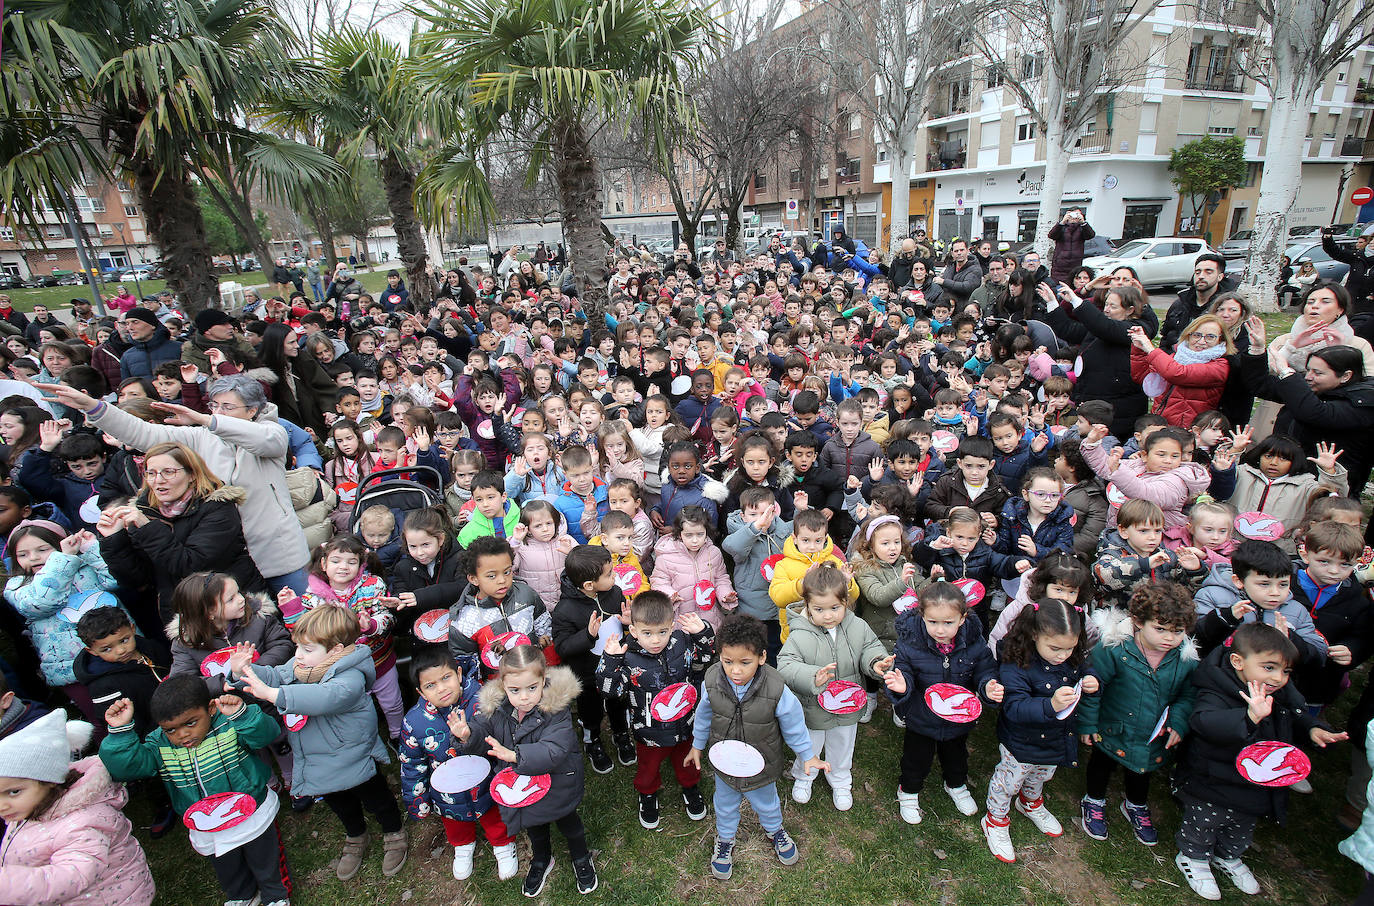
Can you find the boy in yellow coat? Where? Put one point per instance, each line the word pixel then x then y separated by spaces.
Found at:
pixel 617 536
pixel 808 545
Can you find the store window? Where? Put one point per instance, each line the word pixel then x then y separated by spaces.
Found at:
pixel 1025 224
pixel 990 228
pixel 1141 221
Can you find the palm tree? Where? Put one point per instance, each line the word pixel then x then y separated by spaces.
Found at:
pixel 137 90
pixel 552 72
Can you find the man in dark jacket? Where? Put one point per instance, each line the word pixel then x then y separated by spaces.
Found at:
pixel 1360 279
pixel 150 345
pixel 1209 281
pixel 42 319
pixel 1069 237
pixel 962 275
pixel 900 270
pixel 214 330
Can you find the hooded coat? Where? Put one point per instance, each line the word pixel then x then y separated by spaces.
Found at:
pixel 40 600
pixel 678 571
pixel 854 650
pixel 922 665
pixel 785 589
pixel 426 743
pixel 1215 621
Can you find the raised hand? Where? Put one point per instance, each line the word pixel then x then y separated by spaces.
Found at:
pixel 1241 608
pixel 189 373
pixel 499 751
pixel 228 704
pixel 594 624
pixel 895 681
pixel 1326 457
pixel 690 623
pixel 1261 704
pixel 825 675
pixel 458 725
pixel 109 523
pixel 182 415
pixel 877 466
pixel 1254 327
pixel 1096 434
pixel 241 659
pixel 286 596
pixel 614 646
pixel 120 714
pixel 49 435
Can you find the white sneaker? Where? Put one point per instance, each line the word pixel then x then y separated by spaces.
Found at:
pixel 801 791
pixel 507 862
pixel 256 899
pixel 1040 816
pixel 1199 876
pixel 910 806
pixel 897 720
pixel 843 799
pixel 462 861
pixel 869 707
pixel 963 800
pixel 1303 786
pixel 1240 875
pixel 999 839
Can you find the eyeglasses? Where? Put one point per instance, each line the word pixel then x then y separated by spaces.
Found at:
pixel 1046 495
pixel 1209 337
pixel 163 474
pixel 226 408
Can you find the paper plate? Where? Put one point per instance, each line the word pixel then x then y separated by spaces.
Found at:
pixel 219 812
pixel 1159 727
pixel 680 385
pixel 973 590
pixel 673 702
pixel 458 775
pixel 609 626
pixel 1059 430
pixel 1273 763
pixel 519 790
pixel 735 758
pixel 628 579
pixel 432 626
pixel 491 656
pixel 1259 527
pixel 217 662
pixel 293 722
pixel 908 600
pixel 953 703
pixel 1073 705
pixel 842 697
pixel 81 603
pixel 704 595
pixel 943 441
pixel 1114 495
pixel 769 566
pixel 90 510
pixel 485 430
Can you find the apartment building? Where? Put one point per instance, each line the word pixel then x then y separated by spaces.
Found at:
pixel 116 234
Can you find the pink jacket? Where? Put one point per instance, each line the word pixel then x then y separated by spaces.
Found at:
pixel 677 569
pixel 80 853
pixel 1171 490
pixel 1217 556
pixel 540 564
pixel 750 389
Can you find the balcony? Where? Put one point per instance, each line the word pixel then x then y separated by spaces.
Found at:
pixel 1228 14
pixel 1352 146
pixel 1218 81
pixel 948 156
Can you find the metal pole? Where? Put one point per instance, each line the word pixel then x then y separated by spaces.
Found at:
pixel 123 242
pixel 79 239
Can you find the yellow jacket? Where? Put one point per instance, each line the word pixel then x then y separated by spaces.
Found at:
pixel 631 565
pixel 718 369
pixel 786 586
pixel 879 430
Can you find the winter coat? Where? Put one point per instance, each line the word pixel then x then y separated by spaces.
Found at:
pixel 1105 353
pixel 540 564
pixel 426 743
pixel 1360 845
pixel 1358 280
pixel 1184 311
pixel 1215 621
pixel 1171 490
pixel 960 282
pixel 306 395
pixel 135 680
pixel 823 487
pixel 46 479
pixel 476 619
pixel 852 459
pixel 637 676
pixel 1068 239
pixel 649 443
pixel 1135 696
pixel 880 585
pixel 922 665
pixel 1090 509
pixel 572 507
pixel 337 747
pixel 1055 531
pixel 436 585
pixel 42 598
pixel 363 598
pixel 748 548
pixel 194 350
pixel 313 500
pixel 1192 389
pixel 678 570
pixel 208 535
pixel 467 410
pixel 142 359
pixel 1286 497
pixel 1206 771
pixel 1343 615
pixel 535 487
pixel 547 742
pixel 571 617
pixel 121 481
pixel 1118 568
pixel 81 852
pixel 785 589
pixel 854 650
pixel 701 491
pixel 250 454
pixel 1027 724
pixel 261 627
pixel 983 563
pixel 1012 467
pixel 949 492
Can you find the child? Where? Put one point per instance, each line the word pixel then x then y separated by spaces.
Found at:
pixel 581 490
pixel 1323 584
pixel 662 651
pixel 1060 575
pixel 68 843
pixel 465 465
pixel 338 579
pixel 1085 494
pixel 686 487
pixel 616 450
pixel 719 454
pixel 808 546
pixel 1144 662
pixel 1037 522
pixel 378 531
pixel 740 691
pixel 757 532
pixel 1015 455
pixel 884 572
pixel 971 483
pixel 1243 696
pixel 533 473
pixel 524 721
pixel 1043 673
pixel 212 614
pixel 204 747
pixel 78 479
pixel 812 484
pixel 648 440
pixel 962 551
pixel 1274 477
pixel 492 513
pixel 588 596
pixel 827 643
pixel 617 536
pixel 1131 553
pixel 430 574
pixel 1209 529
pixel 493 603
pixel 937 642
pixel 117 664
pixel 687 559
pixel 427 742
pixel 541 544
pixel 353 461
pixel 851 448
pixel 1209 431
pixel 625 496
pixel 1160 475
pixel 1256 588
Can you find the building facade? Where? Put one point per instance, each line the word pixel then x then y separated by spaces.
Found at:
pixel 112 220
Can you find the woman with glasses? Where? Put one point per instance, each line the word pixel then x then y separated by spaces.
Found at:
pixel 1189 382
pixel 184 520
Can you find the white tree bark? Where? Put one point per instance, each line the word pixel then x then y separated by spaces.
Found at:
pixel 900 161
pixel 1281 177
pixel 1056 154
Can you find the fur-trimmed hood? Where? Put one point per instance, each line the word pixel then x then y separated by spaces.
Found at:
pixel 263 375
pixel 1114 629
pixel 256 604
pixel 710 488
pixel 561 687
pixel 94 786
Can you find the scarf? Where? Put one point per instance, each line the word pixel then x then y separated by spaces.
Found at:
pixel 316 673
pixel 1186 355
pixel 176 507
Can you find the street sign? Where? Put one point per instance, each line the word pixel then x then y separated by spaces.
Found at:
pixel 1362 196
pixel 959 205
pixel 793 208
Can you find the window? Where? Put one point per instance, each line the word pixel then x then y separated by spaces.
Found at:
pixel 1032 67
pixel 131 210
pixel 55 231
pixel 853 169
pixel 1253 131
pixel 760 181
pixel 98 205
pixel 50 257
pixel 990 134
pixel 1221 130
pixel 106 231
pixel 993 74
pixel 1214 67
pixel 855 123
pixel 1340 77
pixel 1252 174
pixel 7 234
pixel 825 175
pixel 794 178
pixel 1025 131
pixel 882 156
pixel 1149 117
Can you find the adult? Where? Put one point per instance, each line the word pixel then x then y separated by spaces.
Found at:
pixel 1104 339
pixel 281 275
pixel 1069 236
pixel 1039 273
pixel 1237 400
pixel 1359 280
pixel 315 279
pixel 123 299
pixel 149 345
pixel 992 296
pixel 10 315
pixel 301 387
pixel 343 286
pixel 109 348
pixel 162 305
pixel 961 276
pixel 1324 322
pixel 243 444
pixel 184 520
pixel 1209 279
pixel 1189 382
pixel 922 283
pixel 1022 302
pixel 456 287
pixel 922 245
pixel 42 320
pixel 214 330
pixel 899 272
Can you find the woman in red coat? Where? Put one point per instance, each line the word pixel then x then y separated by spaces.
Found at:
pixel 1189 382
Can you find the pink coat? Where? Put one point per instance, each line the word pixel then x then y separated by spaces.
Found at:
pixel 677 569
pixel 1171 490
pixel 540 564
pixel 80 853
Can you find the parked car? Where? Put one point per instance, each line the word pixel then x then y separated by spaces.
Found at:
pixel 1099 245
pixel 1304 232
pixel 1327 267
pixel 1161 261
pixel 40 280
pixel 11 281
pixel 1237 245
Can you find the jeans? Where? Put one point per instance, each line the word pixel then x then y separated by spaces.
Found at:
pixel 317 287
pixel 298 582
pixel 764 801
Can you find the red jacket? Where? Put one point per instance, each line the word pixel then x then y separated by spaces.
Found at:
pixel 1192 390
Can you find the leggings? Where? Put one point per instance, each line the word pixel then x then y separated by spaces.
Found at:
pixel 372 794
pixel 387 691
pixel 1013 778
pixel 918 755
pixel 572 829
pixel 1100 768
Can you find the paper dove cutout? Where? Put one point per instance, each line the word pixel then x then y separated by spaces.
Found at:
pixel 704 594
pixel 768 566
pixel 1114 495
pixel 519 790
pixel 216 663
pixel 908 600
pixel 432 626
pixel 736 758
pixel 943 441
pixel 953 703
pixel 842 697
pixel 673 703
pixel 219 812
pixel 1273 763
pixel 628 579
pixel 1259 526
pixel 973 590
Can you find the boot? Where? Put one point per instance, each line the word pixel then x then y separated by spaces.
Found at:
pixel 394 851
pixel 351 862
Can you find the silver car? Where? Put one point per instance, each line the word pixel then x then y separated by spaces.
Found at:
pixel 1327 267
pixel 1160 261
pixel 1238 246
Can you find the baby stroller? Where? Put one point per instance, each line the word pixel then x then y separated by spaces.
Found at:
pixel 399 490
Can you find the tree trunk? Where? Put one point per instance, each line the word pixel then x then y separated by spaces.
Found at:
pixel 579 194
pixel 898 227
pixel 235 204
pixel 1056 154
pixel 399 183
pixel 174 220
pixel 325 230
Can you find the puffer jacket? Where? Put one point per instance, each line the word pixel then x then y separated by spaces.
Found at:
pixel 922 665
pixel 701 491
pixel 571 618
pixel 440 588
pixel 678 570
pixel 1215 621
pixel 1090 507
pixel 142 359
pixel 880 585
pixel 1055 532
pixel 1359 846
pixel 785 589
pixel 1027 724
pixel 1135 696
pixel 313 500
pixel 44 599
pixel 572 507
pixel 476 619
pixel 749 547
pixel 1118 568
pixel 1192 389
pixel 852 459
pixel 854 651
pixel 1068 239
pixel 81 852
pixel 251 454
pixel 1171 490
pixel 1286 497
pixel 547 741
pixel 638 676
pixel 426 743
pixel 260 627
pixel 1344 616
pixel 983 563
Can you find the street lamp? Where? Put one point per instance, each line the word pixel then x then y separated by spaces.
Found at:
pixel 120 226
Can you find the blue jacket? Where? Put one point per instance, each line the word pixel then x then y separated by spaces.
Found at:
pixel 46 479
pixel 1054 533
pixel 1012 467
pixel 970 665
pixel 983 563
pixel 571 506
pixel 530 487
pixel 1027 725
pixel 304 453
pixel 749 547
pixel 140 359
pixel 425 744
pixel 694 493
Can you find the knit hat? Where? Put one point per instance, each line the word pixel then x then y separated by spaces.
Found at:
pixel 212 317
pixel 43 750
pixel 142 314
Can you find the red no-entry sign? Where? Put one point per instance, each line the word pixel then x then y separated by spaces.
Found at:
pixel 1362 196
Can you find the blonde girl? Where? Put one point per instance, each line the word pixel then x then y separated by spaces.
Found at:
pixel 464 464
pixel 1210 529
pixel 533 474
pixel 658 411
pixel 687 558
pixel 615 448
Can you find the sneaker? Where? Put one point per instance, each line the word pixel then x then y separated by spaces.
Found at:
pixel 1240 875
pixel 1094 818
pixel 596 753
pixel 395 848
pixel 462 861
pixel 785 848
pixel 301 804
pixel 253 902
pixel 843 799
pixel 585 872
pixel 869 707
pixel 537 877
pixel 1199 876
pixel 507 862
pixel 999 838
pixel 1141 823
pixel 648 810
pixel 279 903
pixel 625 749
pixel 1303 786
pixel 1040 816
pixel 909 804
pixel 723 860
pixel 351 860
pixel 963 800
pixel 162 823
pixel 801 791
pixel 897 721
pixel 695 802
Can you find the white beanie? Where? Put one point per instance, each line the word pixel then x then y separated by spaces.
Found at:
pixel 43 749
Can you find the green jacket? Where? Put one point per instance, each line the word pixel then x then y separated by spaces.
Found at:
pixel 809 648
pixel 1134 697
pixel 880 584
pixel 480 526
pixel 223 762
